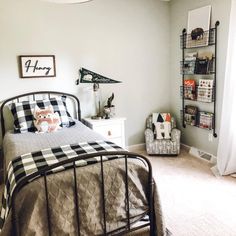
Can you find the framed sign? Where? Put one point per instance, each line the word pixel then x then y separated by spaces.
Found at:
pixel 37 66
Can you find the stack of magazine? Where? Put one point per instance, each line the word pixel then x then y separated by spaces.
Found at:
pixel 190 115
pixel 194 117
pixel 205 120
pixel 190 89
pixel 195 63
pixel 188 67
pixel 205 90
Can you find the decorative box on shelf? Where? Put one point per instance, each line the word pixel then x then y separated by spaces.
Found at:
pixel 112 129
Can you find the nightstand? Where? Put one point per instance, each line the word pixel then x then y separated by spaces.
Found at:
pixel 112 129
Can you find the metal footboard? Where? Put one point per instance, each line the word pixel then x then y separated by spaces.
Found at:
pixel 119 231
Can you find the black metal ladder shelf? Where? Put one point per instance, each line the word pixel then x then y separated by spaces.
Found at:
pixel 187 43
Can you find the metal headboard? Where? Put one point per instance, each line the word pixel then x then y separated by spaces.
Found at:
pixel 33 95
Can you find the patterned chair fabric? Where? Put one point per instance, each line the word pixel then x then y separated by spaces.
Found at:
pixel 162 146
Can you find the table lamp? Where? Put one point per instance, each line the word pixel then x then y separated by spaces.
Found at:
pixel 87 76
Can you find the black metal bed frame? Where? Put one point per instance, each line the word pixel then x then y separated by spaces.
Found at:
pixel 44 173
pixel 119 231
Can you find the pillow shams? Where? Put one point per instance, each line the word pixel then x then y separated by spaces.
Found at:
pixel 23 113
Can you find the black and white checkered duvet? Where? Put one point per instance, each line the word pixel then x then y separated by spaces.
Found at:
pixel 30 163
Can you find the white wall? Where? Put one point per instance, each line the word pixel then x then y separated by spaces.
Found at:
pixel 125 40
pixel 178 14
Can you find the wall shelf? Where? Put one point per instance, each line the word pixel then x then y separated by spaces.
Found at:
pixel 196 87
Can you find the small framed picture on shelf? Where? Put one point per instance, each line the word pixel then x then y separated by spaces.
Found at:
pixel 198 27
pixel 32 66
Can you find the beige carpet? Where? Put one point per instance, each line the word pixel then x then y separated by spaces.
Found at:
pixel 195 202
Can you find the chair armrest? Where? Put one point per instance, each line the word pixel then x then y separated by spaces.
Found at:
pixel 149 135
pixel 149 122
pixel 175 135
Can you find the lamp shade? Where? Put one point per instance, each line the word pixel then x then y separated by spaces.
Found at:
pixel 87 76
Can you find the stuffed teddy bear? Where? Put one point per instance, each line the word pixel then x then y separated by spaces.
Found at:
pixel 46 120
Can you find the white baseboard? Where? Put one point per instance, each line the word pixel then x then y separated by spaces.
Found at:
pixel 185 146
pixel 136 147
pixel 213 159
pixel 199 153
pixel 192 150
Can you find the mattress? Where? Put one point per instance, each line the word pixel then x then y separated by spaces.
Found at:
pixel 17 144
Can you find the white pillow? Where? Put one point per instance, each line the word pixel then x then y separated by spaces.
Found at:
pixel 163 130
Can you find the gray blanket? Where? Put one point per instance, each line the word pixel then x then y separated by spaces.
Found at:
pixel 17 144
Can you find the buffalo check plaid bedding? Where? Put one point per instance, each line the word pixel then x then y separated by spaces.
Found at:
pixel 23 113
pixel 30 163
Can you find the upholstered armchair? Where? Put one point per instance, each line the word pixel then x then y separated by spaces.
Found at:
pixel 157 145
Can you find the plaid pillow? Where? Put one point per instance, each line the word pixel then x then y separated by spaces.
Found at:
pixel 23 113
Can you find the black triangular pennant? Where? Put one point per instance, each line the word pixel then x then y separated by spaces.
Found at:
pixel 88 76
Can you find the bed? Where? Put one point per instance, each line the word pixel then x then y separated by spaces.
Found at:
pixel 72 181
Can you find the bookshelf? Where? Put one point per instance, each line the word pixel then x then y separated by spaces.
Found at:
pixel 198 68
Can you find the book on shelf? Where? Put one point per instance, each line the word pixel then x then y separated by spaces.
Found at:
pixel 190 89
pixel 202 66
pixel 205 120
pixel 188 67
pixel 190 115
pixel 197 63
pixel 205 90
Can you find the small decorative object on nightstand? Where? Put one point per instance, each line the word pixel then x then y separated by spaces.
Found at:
pixel 112 129
pixel 109 109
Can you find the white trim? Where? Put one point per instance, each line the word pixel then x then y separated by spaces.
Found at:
pixel 185 146
pixel 136 147
pixel 213 160
pixel 197 153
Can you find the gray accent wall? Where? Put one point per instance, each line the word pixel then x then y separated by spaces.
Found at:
pixel 193 136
